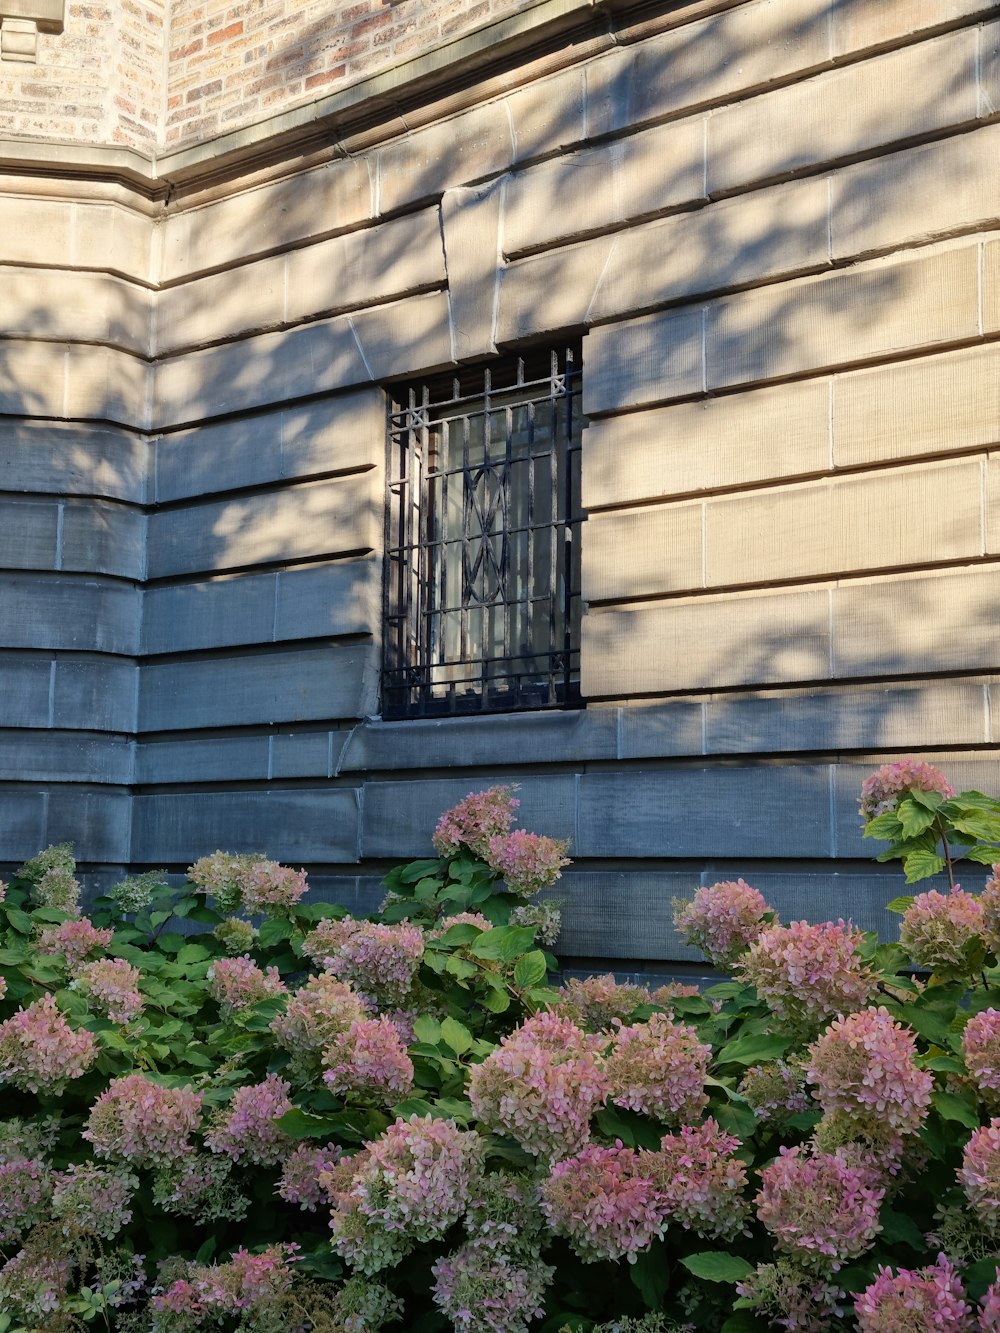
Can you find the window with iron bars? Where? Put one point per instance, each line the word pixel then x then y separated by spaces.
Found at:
pixel 482 585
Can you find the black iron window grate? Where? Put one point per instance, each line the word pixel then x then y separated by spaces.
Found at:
pixel 482 587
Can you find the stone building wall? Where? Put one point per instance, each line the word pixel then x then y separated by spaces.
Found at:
pixel 775 225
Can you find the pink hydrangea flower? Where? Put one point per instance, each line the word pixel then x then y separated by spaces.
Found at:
pixel 411 1186
pixel 94 1199
pixel 460 919
pixel 938 928
pixel 792 1299
pixel 484 1292
pixel 200 1186
pixel 701 1180
pixel 3 890
pixel 369 1060
pixel 774 1090
pixel 25 1195
pixel 379 961
pixel 722 920
pixel 314 1017
pixel 593 1003
pixel 542 1085
pixel 111 986
pixel 929 1298
pixel 269 887
pixel 300 1176
pixel 33 1284
pixel 989 901
pixel 659 1067
pixel 607 1202
pixel 220 876
pixel 40 1052
pixel 981 1048
pixel 864 1068
pixel 328 937
pixel 989 1315
pixel 138 1121
pixel 805 974
pixel 248 1282
pixel 246 1130
pixel 821 1208
pixel 881 791
pixel 480 816
pixel 979 1174
pixel 74 940
pixel 237 983
pixel 526 862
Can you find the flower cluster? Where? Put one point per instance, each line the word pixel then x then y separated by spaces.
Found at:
pixel 805 974
pixel 94 1199
pixel 379 961
pixel 480 816
pixel 607 1202
pixel 482 1291
pixel 245 1129
pixel 138 1121
pixel 793 1299
pixel 112 987
pixel 503 1213
pixel 236 934
pixel 981 1048
pixel 989 1314
pixel 701 1180
pixel 412 1185
pixel 369 1059
pixel 541 1086
pixel 220 876
pixel 593 1003
pixel 136 892
pixel 722 920
pixel 821 1208
pixel 526 862
pixel 659 1067
pixel 237 983
pixel 314 1017
pixel 40 1052
pixel 58 890
pixel 545 919
pixel 74 940
pixel 938 930
pixel 247 1282
pixel 57 857
pixel 25 1192
pixel 200 1186
pixel 882 790
pixel 269 887
pixel 989 901
pixel 300 1176
pixel 928 1298
pixel 979 1174
pixel 33 1284
pixel 774 1090
pixel 863 1068
pixel 326 939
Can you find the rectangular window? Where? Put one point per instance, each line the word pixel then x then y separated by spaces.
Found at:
pixel 482 587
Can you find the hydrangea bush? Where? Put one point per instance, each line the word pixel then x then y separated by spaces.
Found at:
pixel 291 1120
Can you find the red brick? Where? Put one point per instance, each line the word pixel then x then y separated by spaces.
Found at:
pixel 329 76
pixel 224 34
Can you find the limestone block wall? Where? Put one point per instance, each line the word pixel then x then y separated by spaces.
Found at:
pixel 775 224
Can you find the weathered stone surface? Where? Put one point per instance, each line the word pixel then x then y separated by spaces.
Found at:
pixel 32 228
pixel 399 817
pixel 833 320
pixel 344 597
pixel 72 458
pixel 107 236
pixel 289 686
pixel 596 188
pixel 224 305
pixel 106 384
pixel 64 757
pixel 989 70
pixel 930 405
pixel 98 693
pixel 549 114
pixel 33 379
pixel 856 25
pixel 623 914
pixel 103 538
pixel 647 360
pixel 845 111
pixel 673 727
pixel 551 291
pixel 840 526
pixel 407 337
pixel 41 611
pixel 316 519
pixel 91 307
pixel 717 442
pixel 461 150
pixel 992 514
pixel 291 826
pixel 991 286
pixel 772 233
pixel 261 219
pixel 675 812
pixel 208 614
pixel 704 642
pixel 918 194
pixel 24 699
pixel 641 551
pixel 29 534
pixel 22 824
pixel 470 224
pixel 97 820
pixel 917 623
pixel 218 759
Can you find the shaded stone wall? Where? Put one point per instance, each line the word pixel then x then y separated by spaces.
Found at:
pixel 776 229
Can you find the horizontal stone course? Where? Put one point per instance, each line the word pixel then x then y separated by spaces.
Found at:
pixel 72 459
pixel 69 611
pixel 33 756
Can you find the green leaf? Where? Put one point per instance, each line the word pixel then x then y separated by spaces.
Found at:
pixel 980 825
pixel 899 905
pixel 717 1266
pixel 980 1275
pixel 650 1275
pixel 935 1027
pixel 464 933
pixel 496 1001
pixel 753 1050
pixel 914 817
pixel 984 856
pixel 635 1131
pixel 19 920
pixel 899 1228
pixel 930 800
pixel 949 1106
pixel 530 970
pixel 455 1035
pixel 503 943
pixel 193 953
pixel 409 874
pixel 736 1119
pixel 944 1064
pixel 886 826
pixel 744 1321
pixel 460 968
pixel 412 1106
pixel 273 931
pixel 427 1029
pixel 298 1124
pixel 921 865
